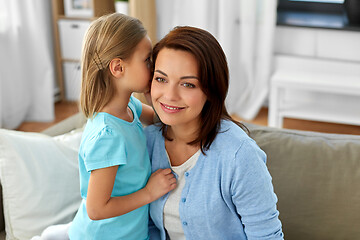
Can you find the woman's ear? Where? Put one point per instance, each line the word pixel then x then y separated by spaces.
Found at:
pixel 116 67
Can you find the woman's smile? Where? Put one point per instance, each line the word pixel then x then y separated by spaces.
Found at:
pixel 170 109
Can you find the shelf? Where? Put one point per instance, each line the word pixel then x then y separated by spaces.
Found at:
pixel 100 7
pixel 336 112
pixel 335 21
pixel 142 9
pixel 314 89
pixel 321 82
pixel 70 60
pixel 76 18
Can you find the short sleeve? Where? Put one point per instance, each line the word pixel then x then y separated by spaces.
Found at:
pixel 106 149
pixel 253 194
pixel 136 105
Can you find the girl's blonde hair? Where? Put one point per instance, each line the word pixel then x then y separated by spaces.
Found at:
pixel 111 36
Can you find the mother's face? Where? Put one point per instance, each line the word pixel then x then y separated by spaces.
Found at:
pixel 175 90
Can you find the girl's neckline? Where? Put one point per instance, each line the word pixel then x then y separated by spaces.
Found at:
pixel 119 119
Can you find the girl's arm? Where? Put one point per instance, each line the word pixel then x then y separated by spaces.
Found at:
pixel 147 115
pixel 101 205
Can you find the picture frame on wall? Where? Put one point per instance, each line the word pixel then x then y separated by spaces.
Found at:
pixel 78 8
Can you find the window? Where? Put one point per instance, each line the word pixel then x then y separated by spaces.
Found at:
pixel 4 22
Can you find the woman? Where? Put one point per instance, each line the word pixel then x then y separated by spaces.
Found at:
pixel 224 189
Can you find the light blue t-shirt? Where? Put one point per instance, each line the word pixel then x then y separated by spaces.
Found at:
pixel 110 141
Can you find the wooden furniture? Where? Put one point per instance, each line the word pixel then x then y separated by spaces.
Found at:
pixel 68 33
pixel 305 88
pixel 145 10
pixel 316 76
pixel 73 25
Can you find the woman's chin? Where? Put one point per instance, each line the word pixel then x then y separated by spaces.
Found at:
pixel 167 121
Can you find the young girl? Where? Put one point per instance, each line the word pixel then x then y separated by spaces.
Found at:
pixel 113 159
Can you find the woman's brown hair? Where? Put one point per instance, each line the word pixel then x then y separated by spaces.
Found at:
pixel 213 77
pixel 111 36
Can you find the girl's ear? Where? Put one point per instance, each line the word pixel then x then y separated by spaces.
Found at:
pixel 116 67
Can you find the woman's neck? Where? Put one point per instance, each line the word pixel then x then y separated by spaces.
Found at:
pixel 178 149
pixel 183 133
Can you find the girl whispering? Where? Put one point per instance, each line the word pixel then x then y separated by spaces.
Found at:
pixel 115 181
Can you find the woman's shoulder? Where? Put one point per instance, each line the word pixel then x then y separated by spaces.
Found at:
pixel 232 142
pixel 153 128
pixel 231 137
pixel 154 138
pixel 230 132
pixel 153 132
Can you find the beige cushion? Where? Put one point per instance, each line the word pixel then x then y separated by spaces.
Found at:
pixel 317 180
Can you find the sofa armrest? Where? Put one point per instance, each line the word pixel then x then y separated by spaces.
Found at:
pixel 76 121
pixel 33 165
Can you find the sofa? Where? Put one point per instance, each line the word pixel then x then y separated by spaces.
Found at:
pixel 316 177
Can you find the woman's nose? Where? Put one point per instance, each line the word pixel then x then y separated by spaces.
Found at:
pixel 172 92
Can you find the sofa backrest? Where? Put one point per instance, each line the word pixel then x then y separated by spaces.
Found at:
pixel 316 178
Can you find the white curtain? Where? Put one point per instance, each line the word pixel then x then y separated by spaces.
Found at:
pixel 245 30
pixel 26 62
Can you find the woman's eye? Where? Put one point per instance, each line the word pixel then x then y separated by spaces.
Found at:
pixel 159 79
pixel 189 85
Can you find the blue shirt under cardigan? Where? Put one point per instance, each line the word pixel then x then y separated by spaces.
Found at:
pixel 228 194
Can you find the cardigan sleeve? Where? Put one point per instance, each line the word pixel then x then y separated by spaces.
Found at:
pixel 253 194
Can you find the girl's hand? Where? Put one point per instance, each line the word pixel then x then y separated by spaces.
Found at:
pixel 160 182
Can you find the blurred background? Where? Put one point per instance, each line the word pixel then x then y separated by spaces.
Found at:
pixel 293 64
